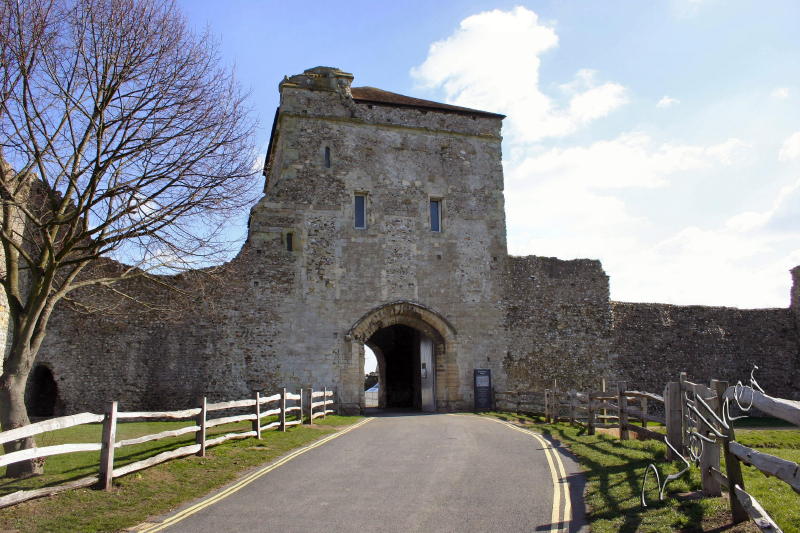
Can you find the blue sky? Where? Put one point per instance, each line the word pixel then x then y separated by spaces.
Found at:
pixel 660 137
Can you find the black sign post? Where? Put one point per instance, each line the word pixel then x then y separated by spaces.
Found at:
pixel 483 388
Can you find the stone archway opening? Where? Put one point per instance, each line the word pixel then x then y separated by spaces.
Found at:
pixel 42 392
pixel 403 374
pixel 415 348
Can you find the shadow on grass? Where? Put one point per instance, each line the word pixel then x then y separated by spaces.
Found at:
pixel 614 470
pixel 60 469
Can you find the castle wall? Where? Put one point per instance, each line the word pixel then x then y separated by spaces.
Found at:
pixel 653 343
pixel 794 304
pixel 558 323
pixel 275 317
pixel 279 318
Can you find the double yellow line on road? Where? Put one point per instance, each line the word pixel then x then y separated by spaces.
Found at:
pixel 558 521
pixel 177 517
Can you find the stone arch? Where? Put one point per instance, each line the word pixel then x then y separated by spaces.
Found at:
pixel 421 318
pixel 403 312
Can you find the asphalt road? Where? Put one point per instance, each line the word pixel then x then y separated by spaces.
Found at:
pixel 403 473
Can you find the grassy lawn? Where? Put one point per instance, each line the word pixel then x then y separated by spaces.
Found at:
pixel 614 471
pixel 148 492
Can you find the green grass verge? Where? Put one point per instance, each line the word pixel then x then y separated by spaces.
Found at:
pixel 614 471
pixel 148 492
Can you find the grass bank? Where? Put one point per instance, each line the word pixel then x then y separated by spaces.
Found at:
pixel 148 492
pixel 614 471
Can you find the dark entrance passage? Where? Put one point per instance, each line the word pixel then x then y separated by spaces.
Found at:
pixel 397 350
pixel 42 392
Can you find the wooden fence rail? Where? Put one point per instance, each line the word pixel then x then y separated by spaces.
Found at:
pixel 288 415
pixel 689 409
pixel 589 409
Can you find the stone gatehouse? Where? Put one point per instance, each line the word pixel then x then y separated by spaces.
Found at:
pixel 383 224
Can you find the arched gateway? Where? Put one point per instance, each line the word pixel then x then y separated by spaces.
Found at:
pixel 416 351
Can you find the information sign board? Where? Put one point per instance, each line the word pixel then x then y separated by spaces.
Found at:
pixel 483 388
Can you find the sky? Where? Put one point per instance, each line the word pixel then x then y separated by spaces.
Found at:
pixel 662 138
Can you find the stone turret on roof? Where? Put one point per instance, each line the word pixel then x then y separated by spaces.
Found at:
pixel 336 80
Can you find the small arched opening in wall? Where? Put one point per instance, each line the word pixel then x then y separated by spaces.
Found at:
pixel 415 348
pixel 41 394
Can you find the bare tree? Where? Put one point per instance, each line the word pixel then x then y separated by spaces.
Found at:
pixel 121 136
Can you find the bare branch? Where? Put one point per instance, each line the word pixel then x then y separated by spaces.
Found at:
pixel 127 140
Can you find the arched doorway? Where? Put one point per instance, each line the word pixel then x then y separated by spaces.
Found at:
pixel 42 392
pixel 416 352
pixel 405 367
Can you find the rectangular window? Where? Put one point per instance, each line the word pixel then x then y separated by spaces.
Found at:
pixel 327 157
pixel 289 242
pixel 436 215
pixel 361 211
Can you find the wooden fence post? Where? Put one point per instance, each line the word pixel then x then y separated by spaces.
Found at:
pixel 107 451
pixel 643 407
pixel 547 405
pixel 200 435
pixel 682 378
pixel 622 409
pixel 572 398
pixel 310 405
pixel 283 409
pixel 257 421
pixel 733 469
pixel 672 416
pixel 325 404
pixel 590 412
pixel 300 416
pixel 555 402
pixel 710 457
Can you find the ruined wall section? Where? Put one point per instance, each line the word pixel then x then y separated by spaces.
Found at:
pixel 558 323
pixel 653 343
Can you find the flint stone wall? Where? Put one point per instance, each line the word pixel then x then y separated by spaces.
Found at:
pixel 557 322
pixel 653 343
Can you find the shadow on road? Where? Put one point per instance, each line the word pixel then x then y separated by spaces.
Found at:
pixel 395 412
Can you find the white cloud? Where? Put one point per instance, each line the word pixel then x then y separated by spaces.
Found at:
pixel 791 148
pixel 781 93
pixel 706 266
pixel 667 101
pixel 571 202
pixel 492 62
pixel 781 218
pixel 666 218
pixel 630 160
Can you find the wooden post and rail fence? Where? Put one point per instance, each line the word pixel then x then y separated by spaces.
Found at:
pixel 319 403
pixel 687 410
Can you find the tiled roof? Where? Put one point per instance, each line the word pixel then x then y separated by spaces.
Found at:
pixel 371 95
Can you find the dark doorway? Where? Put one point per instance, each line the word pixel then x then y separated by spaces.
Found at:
pixel 42 392
pixel 400 374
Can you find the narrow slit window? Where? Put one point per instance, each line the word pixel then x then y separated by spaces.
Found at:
pixel 290 242
pixel 361 211
pixel 436 216
pixel 327 157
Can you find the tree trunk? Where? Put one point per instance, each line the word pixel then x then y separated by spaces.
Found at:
pixel 13 414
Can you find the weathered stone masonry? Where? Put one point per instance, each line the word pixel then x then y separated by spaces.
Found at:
pixel 301 316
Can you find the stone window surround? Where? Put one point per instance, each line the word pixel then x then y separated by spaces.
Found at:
pixel 365 196
pixel 440 201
